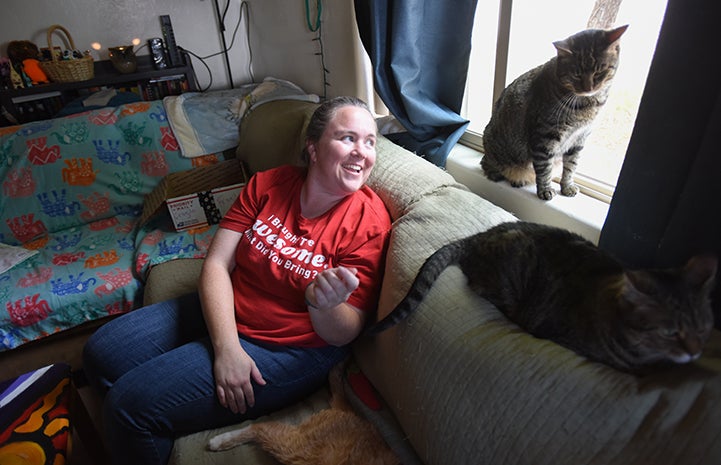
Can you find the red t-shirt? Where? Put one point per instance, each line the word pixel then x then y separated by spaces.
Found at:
pixel 281 252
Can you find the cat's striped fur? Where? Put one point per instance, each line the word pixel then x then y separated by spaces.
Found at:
pixel 545 115
pixel 559 286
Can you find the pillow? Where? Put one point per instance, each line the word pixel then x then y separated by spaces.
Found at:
pixel 273 134
pixel 207 122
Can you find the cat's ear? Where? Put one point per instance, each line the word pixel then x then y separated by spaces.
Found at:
pixel 700 271
pixel 613 35
pixel 638 282
pixel 563 48
pixel 636 295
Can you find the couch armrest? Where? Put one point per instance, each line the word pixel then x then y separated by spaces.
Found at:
pixel 172 279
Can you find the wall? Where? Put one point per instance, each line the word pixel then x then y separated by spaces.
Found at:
pixel 281 43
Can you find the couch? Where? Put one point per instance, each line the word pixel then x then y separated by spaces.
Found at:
pixel 457 382
pixel 73 190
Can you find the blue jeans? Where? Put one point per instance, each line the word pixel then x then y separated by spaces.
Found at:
pixel 155 365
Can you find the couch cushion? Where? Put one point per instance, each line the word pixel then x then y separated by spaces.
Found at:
pixel 401 178
pixel 273 134
pixel 445 215
pixel 499 395
pixel 172 279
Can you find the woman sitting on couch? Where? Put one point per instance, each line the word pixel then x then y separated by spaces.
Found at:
pixel 293 270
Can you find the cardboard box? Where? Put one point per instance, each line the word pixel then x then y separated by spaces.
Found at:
pixel 196 197
pixel 202 208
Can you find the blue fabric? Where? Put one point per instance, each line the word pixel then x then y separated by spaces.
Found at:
pixel 157 365
pixel 73 190
pixel 665 207
pixel 157 242
pixel 420 51
pixel 76 106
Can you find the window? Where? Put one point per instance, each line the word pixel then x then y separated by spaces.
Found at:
pixel 527 30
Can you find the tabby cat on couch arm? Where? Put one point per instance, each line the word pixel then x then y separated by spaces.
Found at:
pixel 559 286
pixel 545 115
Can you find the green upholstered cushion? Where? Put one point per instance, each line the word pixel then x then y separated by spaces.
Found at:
pixel 273 134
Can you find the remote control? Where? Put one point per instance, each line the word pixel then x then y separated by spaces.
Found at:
pixel 174 57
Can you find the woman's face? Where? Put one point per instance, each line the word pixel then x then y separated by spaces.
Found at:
pixel 342 159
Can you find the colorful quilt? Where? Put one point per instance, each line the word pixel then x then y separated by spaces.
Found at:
pixel 157 242
pixel 73 190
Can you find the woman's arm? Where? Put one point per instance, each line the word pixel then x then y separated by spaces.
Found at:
pixel 233 368
pixel 333 318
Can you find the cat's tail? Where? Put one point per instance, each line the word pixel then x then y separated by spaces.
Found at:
pixel 278 438
pixel 432 268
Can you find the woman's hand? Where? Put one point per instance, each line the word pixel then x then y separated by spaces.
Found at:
pixel 332 287
pixel 234 372
pixel 333 318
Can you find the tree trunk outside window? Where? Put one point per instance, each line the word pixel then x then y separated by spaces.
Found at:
pixel 604 14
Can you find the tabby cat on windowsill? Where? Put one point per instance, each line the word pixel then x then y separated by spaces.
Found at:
pixel 545 115
pixel 559 286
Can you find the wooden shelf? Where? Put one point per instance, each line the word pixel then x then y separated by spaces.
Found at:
pixel 105 76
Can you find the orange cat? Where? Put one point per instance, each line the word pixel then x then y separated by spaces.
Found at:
pixel 332 436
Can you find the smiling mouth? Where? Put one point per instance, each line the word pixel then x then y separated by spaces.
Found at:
pixel 354 168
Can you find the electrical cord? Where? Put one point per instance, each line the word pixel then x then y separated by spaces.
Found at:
pixel 221 22
pixel 321 53
pixel 140 48
pixel 210 73
pixel 317 27
pixel 243 4
pixel 247 39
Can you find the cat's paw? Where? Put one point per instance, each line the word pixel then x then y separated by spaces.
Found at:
pixel 569 190
pixel 493 176
pixel 223 441
pixel 545 194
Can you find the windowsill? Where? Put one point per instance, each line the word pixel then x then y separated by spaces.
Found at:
pixel 582 214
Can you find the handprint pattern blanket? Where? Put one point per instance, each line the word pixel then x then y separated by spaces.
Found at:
pixel 72 190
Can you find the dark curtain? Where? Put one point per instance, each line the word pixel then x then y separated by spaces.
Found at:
pixel 420 50
pixel 667 204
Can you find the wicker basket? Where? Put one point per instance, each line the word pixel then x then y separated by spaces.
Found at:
pixel 79 69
